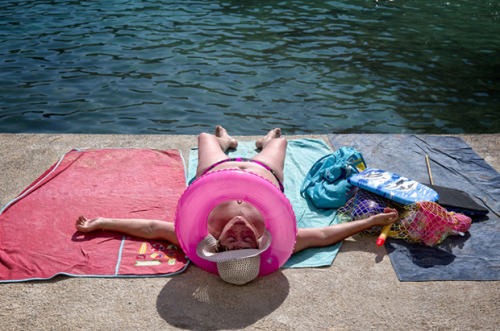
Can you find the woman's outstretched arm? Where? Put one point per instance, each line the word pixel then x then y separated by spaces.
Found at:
pixel 142 228
pixel 329 235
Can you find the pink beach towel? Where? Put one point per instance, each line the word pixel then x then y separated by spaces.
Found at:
pixel 38 239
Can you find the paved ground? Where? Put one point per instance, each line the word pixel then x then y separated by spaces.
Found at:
pixel 359 291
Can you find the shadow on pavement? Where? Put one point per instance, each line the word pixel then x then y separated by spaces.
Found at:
pixel 197 300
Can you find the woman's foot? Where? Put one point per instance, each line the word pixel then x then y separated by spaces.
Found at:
pixel 225 140
pixel 262 142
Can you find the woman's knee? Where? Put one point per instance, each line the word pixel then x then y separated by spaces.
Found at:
pixel 204 136
pixel 281 142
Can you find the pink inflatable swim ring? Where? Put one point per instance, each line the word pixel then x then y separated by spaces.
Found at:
pixel 216 187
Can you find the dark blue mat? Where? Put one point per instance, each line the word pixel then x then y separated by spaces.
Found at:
pixel 475 256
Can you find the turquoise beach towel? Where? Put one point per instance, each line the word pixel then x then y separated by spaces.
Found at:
pixel 301 155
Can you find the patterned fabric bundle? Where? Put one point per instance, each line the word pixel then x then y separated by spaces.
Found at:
pixel 367 204
pixel 363 205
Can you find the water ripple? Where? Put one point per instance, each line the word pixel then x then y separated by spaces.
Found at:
pixel 308 66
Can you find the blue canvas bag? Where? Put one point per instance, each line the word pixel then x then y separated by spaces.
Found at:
pixel 326 183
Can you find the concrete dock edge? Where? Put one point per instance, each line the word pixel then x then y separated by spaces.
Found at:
pixel 359 291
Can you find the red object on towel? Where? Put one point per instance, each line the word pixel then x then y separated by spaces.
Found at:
pixel 38 238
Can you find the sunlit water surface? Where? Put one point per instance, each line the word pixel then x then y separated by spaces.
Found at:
pixel 307 66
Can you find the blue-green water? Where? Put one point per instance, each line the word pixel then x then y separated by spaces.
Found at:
pixel 307 66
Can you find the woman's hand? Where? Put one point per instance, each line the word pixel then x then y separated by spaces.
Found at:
pixel 85 225
pixel 389 216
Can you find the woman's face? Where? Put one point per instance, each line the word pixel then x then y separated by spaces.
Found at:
pixel 236 224
pixel 238 234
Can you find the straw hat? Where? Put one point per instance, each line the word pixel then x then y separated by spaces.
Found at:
pixel 238 266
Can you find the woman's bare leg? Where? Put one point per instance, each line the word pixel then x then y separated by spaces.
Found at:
pixel 273 151
pixel 212 148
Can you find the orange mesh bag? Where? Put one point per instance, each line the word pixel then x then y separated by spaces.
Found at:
pixel 429 223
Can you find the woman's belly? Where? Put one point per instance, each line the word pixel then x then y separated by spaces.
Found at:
pixel 250 167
